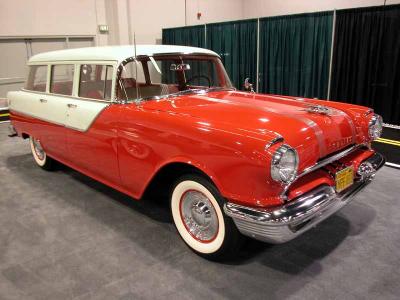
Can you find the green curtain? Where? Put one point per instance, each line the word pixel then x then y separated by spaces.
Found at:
pixel 184 36
pixel 295 54
pixel 236 43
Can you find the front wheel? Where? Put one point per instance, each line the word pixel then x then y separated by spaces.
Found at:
pixel 39 155
pixel 197 211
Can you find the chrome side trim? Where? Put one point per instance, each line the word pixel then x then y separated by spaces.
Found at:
pixel 330 159
pixel 35 117
pixel 288 221
pixel 278 139
pixel 58 123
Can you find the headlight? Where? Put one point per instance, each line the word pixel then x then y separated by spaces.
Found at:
pixel 375 127
pixel 284 164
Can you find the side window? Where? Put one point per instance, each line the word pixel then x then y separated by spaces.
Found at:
pixel 133 81
pixel 37 79
pixel 61 79
pixel 95 81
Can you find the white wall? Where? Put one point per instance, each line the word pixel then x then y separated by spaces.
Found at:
pixel 144 17
pixel 148 17
pixel 47 17
pixel 213 11
pixel 266 8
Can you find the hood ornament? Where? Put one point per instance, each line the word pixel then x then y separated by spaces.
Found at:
pixel 319 109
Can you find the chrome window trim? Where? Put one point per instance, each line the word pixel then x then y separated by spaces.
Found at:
pixel 121 65
pixel 50 82
pixel 77 80
pixel 182 53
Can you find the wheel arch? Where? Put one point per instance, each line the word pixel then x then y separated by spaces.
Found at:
pixel 168 173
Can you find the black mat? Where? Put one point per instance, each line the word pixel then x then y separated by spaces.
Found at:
pixel 391 152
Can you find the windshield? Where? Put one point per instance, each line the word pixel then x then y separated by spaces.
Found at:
pixel 159 76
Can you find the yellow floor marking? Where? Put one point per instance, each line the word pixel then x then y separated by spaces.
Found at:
pixel 387 141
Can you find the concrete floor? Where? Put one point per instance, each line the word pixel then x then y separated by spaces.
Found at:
pixel 65 236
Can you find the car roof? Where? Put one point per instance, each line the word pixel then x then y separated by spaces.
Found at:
pixel 115 53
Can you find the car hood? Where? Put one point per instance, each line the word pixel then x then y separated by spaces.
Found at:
pixel 288 117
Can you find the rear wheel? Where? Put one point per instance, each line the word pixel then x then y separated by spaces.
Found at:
pixel 197 211
pixel 39 155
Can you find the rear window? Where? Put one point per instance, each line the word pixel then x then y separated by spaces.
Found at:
pixel 95 81
pixel 37 78
pixel 61 79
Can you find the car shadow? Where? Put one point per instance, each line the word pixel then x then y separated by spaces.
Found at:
pixel 290 258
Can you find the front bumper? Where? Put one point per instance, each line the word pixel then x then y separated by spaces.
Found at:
pixel 288 221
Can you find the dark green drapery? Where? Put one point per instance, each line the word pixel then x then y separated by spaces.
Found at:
pixel 366 59
pixel 295 54
pixel 184 36
pixel 236 43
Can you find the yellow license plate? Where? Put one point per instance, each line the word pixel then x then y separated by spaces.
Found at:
pixel 344 178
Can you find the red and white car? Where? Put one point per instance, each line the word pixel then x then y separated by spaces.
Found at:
pixel 236 163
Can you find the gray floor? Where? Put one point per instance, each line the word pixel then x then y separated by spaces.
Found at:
pixel 65 236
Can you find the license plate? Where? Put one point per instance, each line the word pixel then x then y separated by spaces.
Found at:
pixel 344 178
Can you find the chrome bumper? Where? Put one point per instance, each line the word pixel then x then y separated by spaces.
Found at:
pixel 283 224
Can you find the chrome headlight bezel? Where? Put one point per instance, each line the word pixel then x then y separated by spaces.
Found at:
pixel 283 153
pixel 375 127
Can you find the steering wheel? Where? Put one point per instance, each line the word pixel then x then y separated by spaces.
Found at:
pixel 200 76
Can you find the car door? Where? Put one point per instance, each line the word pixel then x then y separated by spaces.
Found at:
pixel 90 120
pixel 46 110
pixel 54 104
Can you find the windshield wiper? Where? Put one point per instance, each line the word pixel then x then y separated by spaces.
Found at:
pixel 220 88
pixel 186 92
pixel 203 90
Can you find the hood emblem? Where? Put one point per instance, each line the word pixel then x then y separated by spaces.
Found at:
pixel 319 109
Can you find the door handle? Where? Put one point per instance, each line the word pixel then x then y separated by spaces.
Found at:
pixel 70 105
pixel 43 100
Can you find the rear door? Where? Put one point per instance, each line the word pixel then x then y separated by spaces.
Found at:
pixel 90 120
pixel 55 105
pixel 46 110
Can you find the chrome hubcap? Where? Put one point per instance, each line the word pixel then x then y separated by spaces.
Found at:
pixel 38 149
pixel 199 216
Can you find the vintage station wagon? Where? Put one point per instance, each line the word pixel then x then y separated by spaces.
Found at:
pixel 235 163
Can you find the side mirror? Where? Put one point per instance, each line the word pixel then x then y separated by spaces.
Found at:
pixel 248 86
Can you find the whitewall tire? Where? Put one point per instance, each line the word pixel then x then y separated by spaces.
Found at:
pixel 197 211
pixel 39 155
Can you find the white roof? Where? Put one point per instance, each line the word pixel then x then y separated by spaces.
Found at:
pixel 114 53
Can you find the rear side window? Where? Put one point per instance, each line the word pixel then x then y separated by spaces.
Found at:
pixel 61 79
pixel 37 78
pixel 95 81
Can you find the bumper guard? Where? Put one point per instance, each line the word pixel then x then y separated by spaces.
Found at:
pixel 288 221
